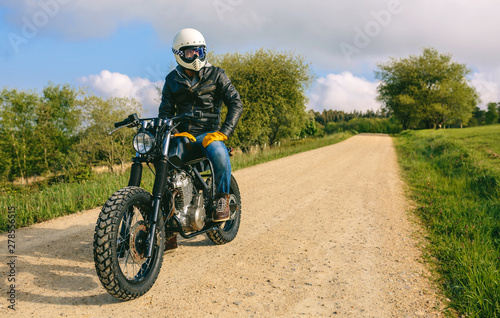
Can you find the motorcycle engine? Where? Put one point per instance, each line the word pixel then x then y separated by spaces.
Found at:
pixel 189 202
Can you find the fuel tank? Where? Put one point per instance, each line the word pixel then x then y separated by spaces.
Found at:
pixel 182 152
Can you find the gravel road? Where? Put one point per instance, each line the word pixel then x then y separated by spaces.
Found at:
pixel 325 233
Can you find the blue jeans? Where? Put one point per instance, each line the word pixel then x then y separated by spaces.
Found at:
pixel 217 153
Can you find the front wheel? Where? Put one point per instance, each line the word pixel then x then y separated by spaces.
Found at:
pixel 226 232
pixel 120 243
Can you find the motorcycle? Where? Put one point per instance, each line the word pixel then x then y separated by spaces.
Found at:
pixel 134 224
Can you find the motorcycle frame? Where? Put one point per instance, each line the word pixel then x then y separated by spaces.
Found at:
pixel 162 167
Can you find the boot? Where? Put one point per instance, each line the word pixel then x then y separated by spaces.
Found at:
pixel 222 211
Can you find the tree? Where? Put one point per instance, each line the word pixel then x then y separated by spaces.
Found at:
pixel 491 115
pixel 99 114
pixel 273 88
pixel 429 88
pixel 17 115
pixel 478 117
pixel 60 132
pixel 310 128
pixel 57 123
pixel 498 111
pixel 37 131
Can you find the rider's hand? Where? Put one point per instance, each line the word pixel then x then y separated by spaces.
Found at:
pixel 186 134
pixel 212 137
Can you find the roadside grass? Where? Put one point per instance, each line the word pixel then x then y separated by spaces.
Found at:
pixel 454 180
pixel 61 199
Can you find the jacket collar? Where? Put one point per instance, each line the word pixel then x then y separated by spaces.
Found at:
pixel 182 74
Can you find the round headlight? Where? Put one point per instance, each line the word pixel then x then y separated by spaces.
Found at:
pixel 143 142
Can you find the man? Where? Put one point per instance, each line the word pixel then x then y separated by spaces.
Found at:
pixel 196 86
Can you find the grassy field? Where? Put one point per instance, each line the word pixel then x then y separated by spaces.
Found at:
pixel 454 180
pixel 66 198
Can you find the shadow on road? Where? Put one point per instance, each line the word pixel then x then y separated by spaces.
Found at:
pixel 56 266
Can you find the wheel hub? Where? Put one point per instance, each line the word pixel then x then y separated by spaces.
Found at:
pixel 138 239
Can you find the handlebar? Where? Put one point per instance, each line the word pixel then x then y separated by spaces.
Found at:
pixel 134 120
pixel 127 121
pixel 197 114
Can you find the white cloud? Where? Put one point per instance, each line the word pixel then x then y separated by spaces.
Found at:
pixel 344 92
pixel 114 84
pixel 314 28
pixel 487 88
pixel 348 92
pixel 374 30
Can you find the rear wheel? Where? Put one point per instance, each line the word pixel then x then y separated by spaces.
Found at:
pixel 226 232
pixel 120 243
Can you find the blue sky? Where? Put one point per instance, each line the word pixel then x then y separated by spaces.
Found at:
pixel 122 48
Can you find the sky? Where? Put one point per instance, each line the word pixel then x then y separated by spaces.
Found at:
pixel 122 48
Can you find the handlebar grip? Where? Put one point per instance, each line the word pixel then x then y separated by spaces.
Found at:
pixel 130 119
pixel 121 123
pixel 210 116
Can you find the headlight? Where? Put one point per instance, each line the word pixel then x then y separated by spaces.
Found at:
pixel 143 142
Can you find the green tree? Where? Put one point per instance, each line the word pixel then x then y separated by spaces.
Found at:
pixel 99 114
pixel 17 126
pixel 310 128
pixel 491 115
pixel 498 111
pixel 429 88
pixel 273 88
pixel 57 124
pixel 37 131
pixel 478 117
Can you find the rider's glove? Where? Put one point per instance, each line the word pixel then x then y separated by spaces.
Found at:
pixel 212 137
pixel 186 134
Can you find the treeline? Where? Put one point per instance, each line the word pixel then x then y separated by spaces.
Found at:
pixel 60 133
pixel 337 116
pixel 486 117
pixel 380 121
pixel 332 121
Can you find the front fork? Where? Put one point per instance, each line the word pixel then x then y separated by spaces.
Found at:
pixel 158 189
pixel 134 180
pixel 135 172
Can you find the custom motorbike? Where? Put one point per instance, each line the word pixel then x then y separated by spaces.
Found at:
pixel 134 224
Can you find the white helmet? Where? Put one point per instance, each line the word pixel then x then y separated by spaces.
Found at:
pixel 190 49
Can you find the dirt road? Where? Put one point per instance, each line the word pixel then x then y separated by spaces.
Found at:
pixel 324 233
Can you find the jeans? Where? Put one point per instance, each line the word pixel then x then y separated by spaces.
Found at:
pixel 217 153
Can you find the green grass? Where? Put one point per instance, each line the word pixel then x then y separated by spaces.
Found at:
pixel 454 179
pixel 65 198
pixel 60 199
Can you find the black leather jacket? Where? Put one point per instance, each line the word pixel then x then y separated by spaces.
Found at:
pixel 207 95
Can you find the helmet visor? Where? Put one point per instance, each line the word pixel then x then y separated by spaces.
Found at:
pixel 192 52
